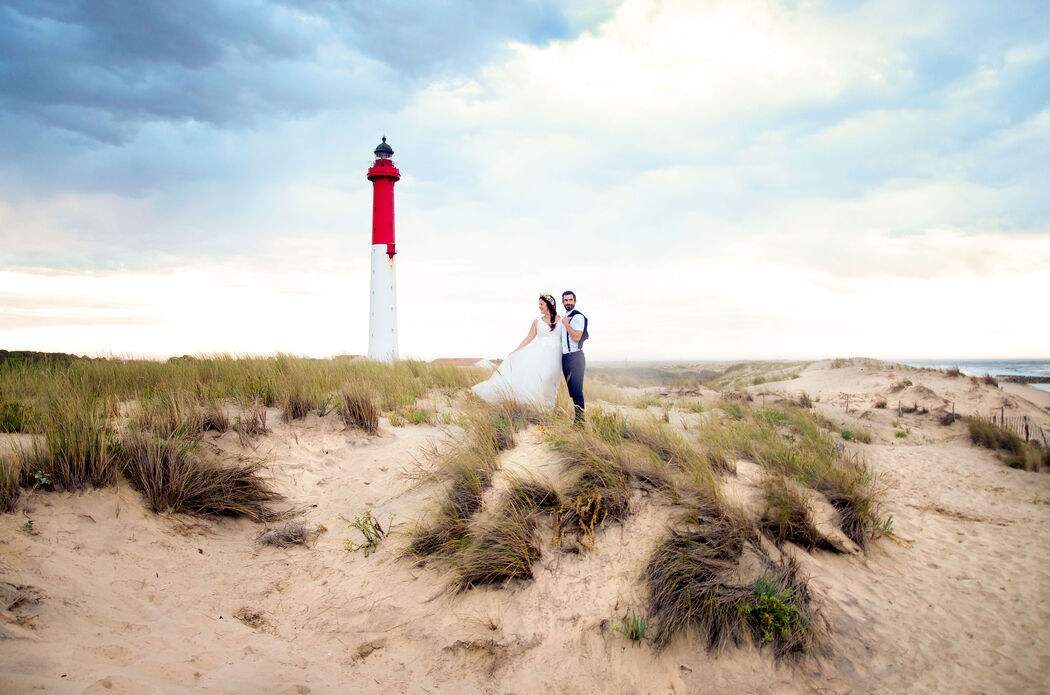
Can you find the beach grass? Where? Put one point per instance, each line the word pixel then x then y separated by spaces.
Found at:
pixel 81 411
pixel 172 477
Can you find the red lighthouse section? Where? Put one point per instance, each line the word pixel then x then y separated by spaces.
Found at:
pixel 383 175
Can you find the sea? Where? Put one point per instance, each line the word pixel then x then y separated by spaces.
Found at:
pixel 993 367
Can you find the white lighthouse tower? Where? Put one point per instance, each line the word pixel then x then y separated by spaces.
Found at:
pixel 382 315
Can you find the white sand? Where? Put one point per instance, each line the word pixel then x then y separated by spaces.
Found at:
pixel 130 602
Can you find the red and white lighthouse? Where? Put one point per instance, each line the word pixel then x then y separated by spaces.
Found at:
pixel 382 319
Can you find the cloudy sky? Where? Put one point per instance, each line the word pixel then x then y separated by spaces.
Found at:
pixel 739 179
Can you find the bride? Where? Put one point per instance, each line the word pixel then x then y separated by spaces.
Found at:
pixel 532 373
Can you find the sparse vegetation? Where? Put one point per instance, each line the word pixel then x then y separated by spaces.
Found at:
pixel 632 628
pixel 1011 449
pixel 371 530
pixel 289 534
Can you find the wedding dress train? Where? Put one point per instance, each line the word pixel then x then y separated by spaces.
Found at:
pixel 531 374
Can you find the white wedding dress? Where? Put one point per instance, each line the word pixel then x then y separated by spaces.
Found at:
pixel 531 374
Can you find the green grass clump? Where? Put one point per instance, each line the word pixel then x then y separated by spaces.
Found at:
pixel 794 442
pixel 632 628
pixel 11 470
pixel 663 441
pixel 78 440
pixel 529 493
pixel 465 469
pixel 14 417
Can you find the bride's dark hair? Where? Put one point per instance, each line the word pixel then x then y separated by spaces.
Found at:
pixel 549 301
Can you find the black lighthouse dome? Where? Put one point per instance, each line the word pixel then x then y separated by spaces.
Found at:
pixel 384 151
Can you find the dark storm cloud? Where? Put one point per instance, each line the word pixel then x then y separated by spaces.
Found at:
pixel 98 68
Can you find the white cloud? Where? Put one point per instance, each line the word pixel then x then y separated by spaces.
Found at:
pixel 721 179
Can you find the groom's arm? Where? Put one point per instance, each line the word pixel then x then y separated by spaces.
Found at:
pixel 573 333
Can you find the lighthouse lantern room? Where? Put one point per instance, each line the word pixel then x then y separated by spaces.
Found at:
pixel 382 319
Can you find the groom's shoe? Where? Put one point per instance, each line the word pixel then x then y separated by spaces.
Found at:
pixel 578 419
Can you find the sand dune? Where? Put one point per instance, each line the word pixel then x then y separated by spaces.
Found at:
pixel 101 595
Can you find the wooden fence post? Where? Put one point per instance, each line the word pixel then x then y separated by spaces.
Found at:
pixel 1026 428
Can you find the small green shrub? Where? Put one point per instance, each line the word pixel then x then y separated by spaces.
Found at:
pixel 900 434
pixel 416 416
pixel 773 613
pixel 847 435
pixel 633 628
pixel 370 529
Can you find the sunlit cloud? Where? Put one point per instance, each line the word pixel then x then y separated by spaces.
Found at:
pixel 716 179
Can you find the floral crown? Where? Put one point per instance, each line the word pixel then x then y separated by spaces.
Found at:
pixel 549 299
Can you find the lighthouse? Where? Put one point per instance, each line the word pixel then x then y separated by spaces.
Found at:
pixel 382 315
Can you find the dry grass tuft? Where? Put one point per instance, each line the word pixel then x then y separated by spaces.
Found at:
pixel 11 469
pixel 289 534
pixel 297 406
pixel 173 478
pixel 787 515
pixel 500 548
pixel 693 583
pixel 250 424
pixel 688 579
pixel 528 493
pixel 359 410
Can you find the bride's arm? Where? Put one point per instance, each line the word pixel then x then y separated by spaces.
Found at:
pixel 528 338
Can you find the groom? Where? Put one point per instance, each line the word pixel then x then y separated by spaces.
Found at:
pixel 573 363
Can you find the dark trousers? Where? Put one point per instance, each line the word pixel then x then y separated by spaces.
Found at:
pixel 573 366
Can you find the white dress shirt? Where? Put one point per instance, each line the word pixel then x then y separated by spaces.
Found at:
pixel 568 344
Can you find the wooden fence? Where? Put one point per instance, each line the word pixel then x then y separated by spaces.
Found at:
pixel 1018 424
